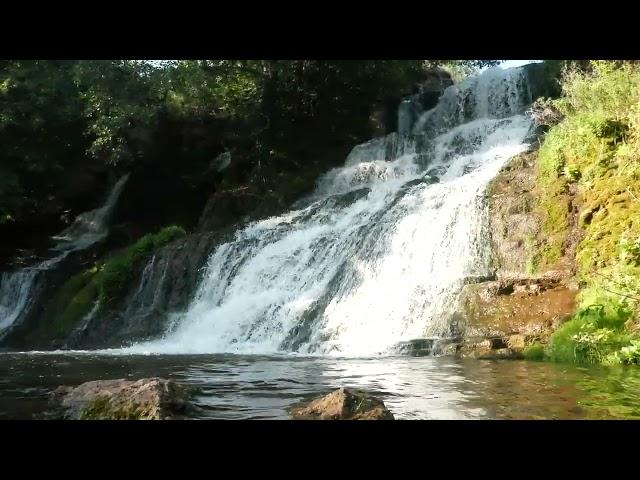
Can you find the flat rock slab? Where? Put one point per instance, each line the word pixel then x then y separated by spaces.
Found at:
pixel 343 404
pixel 144 399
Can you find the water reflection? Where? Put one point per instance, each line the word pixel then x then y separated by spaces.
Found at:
pixel 260 387
pixel 411 389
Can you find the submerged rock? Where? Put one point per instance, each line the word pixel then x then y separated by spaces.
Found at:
pixel 343 404
pixel 145 399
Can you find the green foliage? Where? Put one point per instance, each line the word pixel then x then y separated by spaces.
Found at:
pixel 534 352
pixel 459 69
pixel 58 116
pixel 629 355
pixel 73 301
pixel 597 147
pixel 213 87
pixel 630 251
pixel 40 132
pixel 121 100
pixel 595 334
pixel 572 172
pixel 117 271
pixel 102 283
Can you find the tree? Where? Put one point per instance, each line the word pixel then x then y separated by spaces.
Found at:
pixel 40 130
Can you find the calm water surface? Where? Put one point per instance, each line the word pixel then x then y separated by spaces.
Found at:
pixel 261 387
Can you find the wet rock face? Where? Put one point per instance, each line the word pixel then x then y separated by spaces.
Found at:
pixel 435 82
pixel 164 285
pixel 343 404
pixel 426 96
pixel 46 284
pixel 527 305
pixel 513 222
pixel 145 399
pixel 523 303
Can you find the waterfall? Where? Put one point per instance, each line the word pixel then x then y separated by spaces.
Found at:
pixel 14 294
pixel 89 227
pixel 17 290
pixel 379 252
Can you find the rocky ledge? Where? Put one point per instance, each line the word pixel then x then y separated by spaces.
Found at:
pixel 527 297
pixel 343 404
pixel 145 399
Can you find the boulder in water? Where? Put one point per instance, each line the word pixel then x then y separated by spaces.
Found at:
pixel 145 399
pixel 343 404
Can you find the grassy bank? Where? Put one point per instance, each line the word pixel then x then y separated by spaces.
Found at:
pixel 589 163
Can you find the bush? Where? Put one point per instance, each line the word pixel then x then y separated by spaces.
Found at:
pixel 630 354
pixel 595 334
pixel 534 352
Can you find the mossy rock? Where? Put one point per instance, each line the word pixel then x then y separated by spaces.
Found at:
pixel 102 408
pixel 69 305
pixel 101 286
pixel 144 399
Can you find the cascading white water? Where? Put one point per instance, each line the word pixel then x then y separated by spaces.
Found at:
pixel 14 294
pixel 16 288
pixel 380 250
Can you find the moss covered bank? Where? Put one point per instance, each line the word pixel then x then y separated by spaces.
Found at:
pixel 565 222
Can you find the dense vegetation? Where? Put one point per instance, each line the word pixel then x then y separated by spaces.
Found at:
pixel 67 128
pixel 590 163
pixel 70 128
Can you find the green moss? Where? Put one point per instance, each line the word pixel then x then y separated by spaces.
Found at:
pixel 534 352
pixel 553 209
pixel 68 291
pixel 530 247
pixel 595 150
pixel 118 270
pixel 104 283
pixel 79 306
pixel 102 408
pixel 66 308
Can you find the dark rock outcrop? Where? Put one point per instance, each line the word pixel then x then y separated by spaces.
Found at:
pixel 543 79
pixel 426 97
pixel 46 283
pixel 343 404
pixel 163 285
pixel 145 399
pixel 435 81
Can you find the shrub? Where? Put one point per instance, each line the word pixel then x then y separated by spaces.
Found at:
pixel 534 352
pixel 593 335
pixel 630 354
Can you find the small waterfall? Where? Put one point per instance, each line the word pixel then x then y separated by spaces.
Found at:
pixel 89 227
pixel 14 294
pixel 151 288
pixel 378 253
pixel 17 288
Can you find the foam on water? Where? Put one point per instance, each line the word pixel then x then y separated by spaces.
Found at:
pixel 379 251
